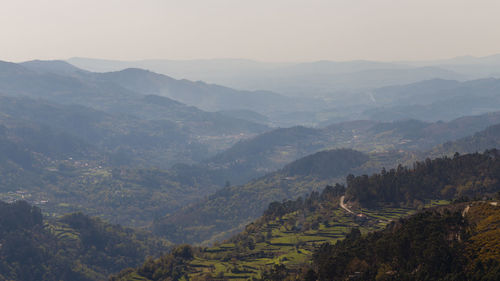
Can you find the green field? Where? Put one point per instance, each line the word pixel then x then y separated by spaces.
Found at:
pixel 289 240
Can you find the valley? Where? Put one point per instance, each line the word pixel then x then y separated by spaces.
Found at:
pixel 208 185
pixel 250 140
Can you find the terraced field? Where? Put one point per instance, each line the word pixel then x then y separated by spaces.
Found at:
pixel 62 233
pixel 289 240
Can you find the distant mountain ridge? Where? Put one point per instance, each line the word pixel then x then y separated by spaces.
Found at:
pixel 205 96
pixel 340 91
pixel 55 67
pixel 52 83
pixel 435 100
pixel 486 139
pixel 291 79
pixel 472 66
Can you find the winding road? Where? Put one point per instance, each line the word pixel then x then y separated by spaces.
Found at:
pixel 343 206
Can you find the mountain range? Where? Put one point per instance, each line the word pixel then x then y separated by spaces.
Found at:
pixel 230 208
pixel 298 173
pixel 56 94
pixel 321 78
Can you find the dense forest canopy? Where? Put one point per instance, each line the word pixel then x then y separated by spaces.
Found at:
pixel 442 244
pixel 73 247
pixel 471 175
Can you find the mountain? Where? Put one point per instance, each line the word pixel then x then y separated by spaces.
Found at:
pixel 265 153
pixel 230 208
pixel 180 124
pixel 209 97
pixel 362 80
pixel 73 247
pixel 247 115
pixel 480 141
pixel 196 69
pixel 99 91
pixel 493 59
pixel 89 161
pixel 429 100
pixel 326 164
pixel 272 150
pixel 474 67
pixel 311 79
pixel 353 90
pixel 16 79
pixel 429 179
pixel 132 139
pixel 321 235
pixel 20 137
pixel 72 141
pixel 435 100
pixel 64 155
pixel 54 67
pixel 324 242
pixel 447 243
pixel 205 96
pixel 340 91
pixel 423 92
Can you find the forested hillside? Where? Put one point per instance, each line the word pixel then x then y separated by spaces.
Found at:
pixel 440 241
pixel 61 173
pixel 463 176
pixel 79 141
pixel 287 234
pixel 229 209
pixel 73 247
pixel 132 197
pixel 272 150
pixel 450 243
pixel 73 141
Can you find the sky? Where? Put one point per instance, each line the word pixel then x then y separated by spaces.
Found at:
pixel 265 30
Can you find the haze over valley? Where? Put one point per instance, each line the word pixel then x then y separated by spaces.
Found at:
pixel 271 141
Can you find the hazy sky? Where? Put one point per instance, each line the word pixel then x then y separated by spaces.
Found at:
pixel 268 30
